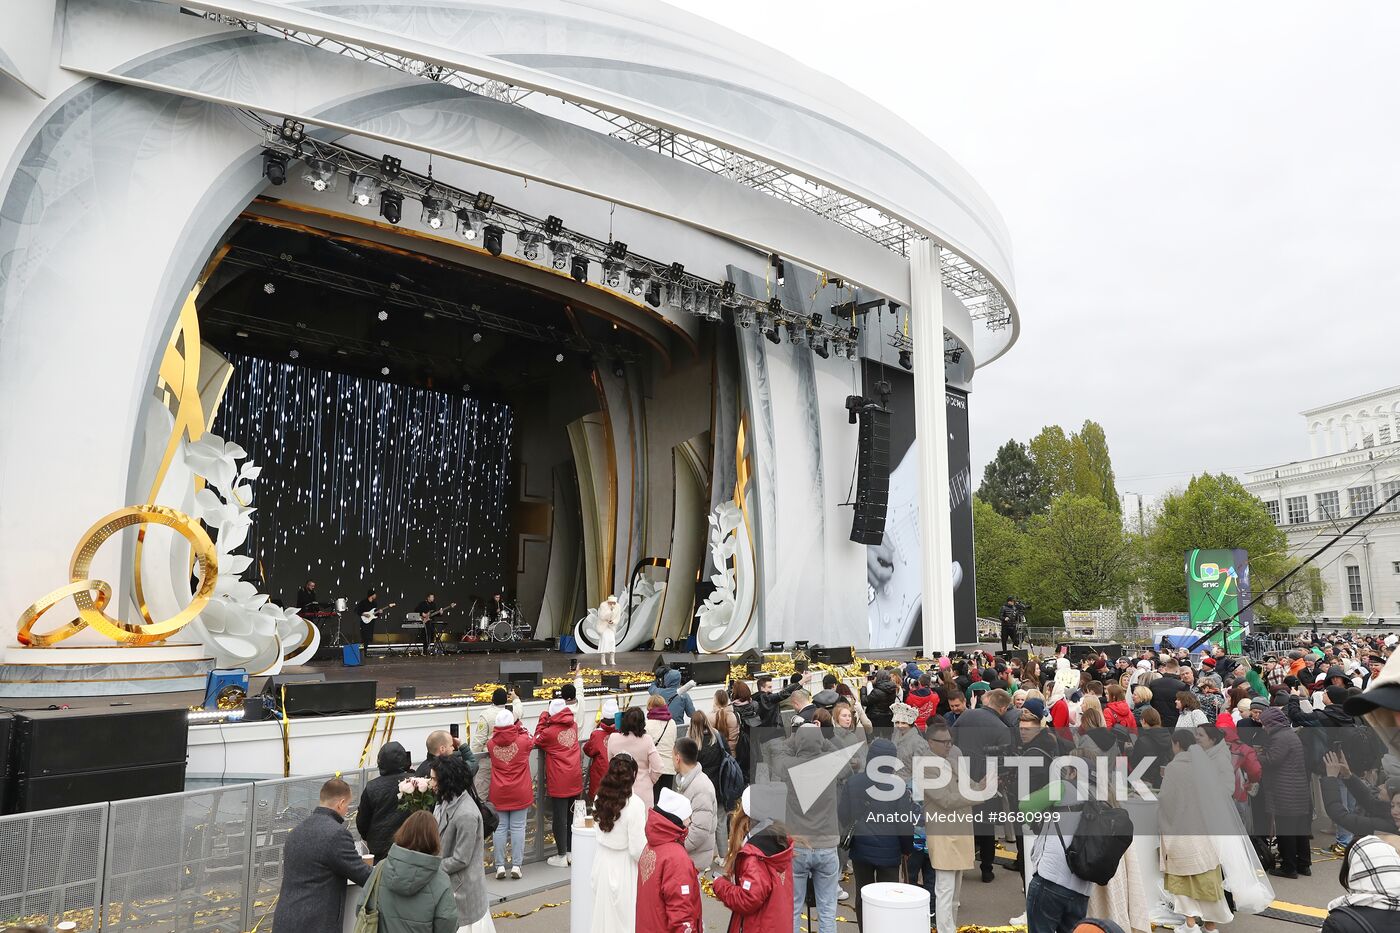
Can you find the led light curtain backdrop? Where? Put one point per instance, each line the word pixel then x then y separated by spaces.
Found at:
pixel 371 484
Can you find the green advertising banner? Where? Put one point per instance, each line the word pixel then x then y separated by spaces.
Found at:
pixel 1217 585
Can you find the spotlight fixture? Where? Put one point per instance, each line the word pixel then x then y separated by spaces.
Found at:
pixel 384 315
pixel 677 270
pixel 391 206
pixel 578 269
pixel 637 282
pixel 435 211
pixel 835 281
pixel 476 337
pixel 383 370
pixel 956 355
pixel 559 253
pixel 779 274
pixel 744 316
pixel 466 387
pixel 527 244
pixel 674 297
pixel 553 226
pixel 617 369
pixel 240 333
pixel 688 300
pixel 612 273
pixel 822 348
pixel 364 189
pixel 270 288
pixel 275 167
pixel 906 359
pixel 320 175
pixel 771 332
pixel 558 357
pixel 727 291
pixel 390 166
pixel 797 333
pixel 716 308
pixel 491 238
pixel 469 223
pixel 292 131
pixel 484 202
pixel 617 250
pixel 294 353
pixel 654 294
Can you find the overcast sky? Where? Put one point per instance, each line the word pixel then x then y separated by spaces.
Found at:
pixel 1203 200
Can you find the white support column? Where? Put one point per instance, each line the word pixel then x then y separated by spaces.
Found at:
pixel 931 430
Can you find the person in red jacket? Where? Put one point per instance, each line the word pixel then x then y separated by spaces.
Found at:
pixel 668 886
pixel 757 881
pixel 557 734
pixel 596 748
pixel 925 700
pixel 1117 712
pixel 512 790
pixel 1248 771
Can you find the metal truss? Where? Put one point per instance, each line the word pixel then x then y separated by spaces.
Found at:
pixel 984 301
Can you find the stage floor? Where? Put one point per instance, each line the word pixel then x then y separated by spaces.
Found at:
pixel 435 676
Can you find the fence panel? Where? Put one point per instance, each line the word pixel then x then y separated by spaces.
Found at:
pixel 278 808
pixel 51 866
pixel 179 862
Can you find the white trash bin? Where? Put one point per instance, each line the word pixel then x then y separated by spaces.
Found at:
pixel 891 907
pixel 581 879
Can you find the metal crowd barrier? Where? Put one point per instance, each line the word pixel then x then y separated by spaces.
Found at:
pixel 200 860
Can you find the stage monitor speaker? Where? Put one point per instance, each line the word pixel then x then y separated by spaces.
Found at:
pixel 330 697
pixel 674 659
pixel 845 655
pixel 514 672
pixel 1078 651
pixel 711 670
pixel 800 666
pixel 254 709
pixel 524 689
pixel 753 668
pixel 612 681
pixel 872 477
pixel 405 692
pixel 1112 649
pixel 752 655
pixel 1018 654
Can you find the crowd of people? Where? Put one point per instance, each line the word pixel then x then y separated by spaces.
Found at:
pixel 1232 751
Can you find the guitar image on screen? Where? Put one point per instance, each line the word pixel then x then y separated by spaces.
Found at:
pixel 894 578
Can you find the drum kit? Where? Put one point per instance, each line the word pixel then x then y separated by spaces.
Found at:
pixel 498 622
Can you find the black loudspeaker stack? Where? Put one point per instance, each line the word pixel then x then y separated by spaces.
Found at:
pixel 845 655
pixel 7 731
pixel 872 476
pixel 518 672
pixel 328 698
pixel 66 757
pixel 701 668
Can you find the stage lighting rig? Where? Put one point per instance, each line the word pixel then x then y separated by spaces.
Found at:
pixel 617 251
pixel 484 203
pixel 435 212
pixel 612 273
pixel 743 316
pixel 560 252
pixel 553 226
pixel 676 272
pixel 906 359
pixel 527 244
pixel 637 282
pixel 364 189
pixel 654 294
pixel 797 333
pixel 822 348
pixel 469 223
pixel 320 174
pixel 390 167
pixel 578 269
pixel 275 167
pixel 726 291
pixel 391 206
pixel 491 238
pixel 292 131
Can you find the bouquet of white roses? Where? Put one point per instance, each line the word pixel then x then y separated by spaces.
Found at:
pixel 415 793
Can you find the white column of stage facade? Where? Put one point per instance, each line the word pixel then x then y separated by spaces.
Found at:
pixel 931 429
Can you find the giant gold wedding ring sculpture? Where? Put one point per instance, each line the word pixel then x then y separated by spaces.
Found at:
pixel 81 586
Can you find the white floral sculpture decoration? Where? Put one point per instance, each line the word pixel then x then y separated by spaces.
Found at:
pixel 726 613
pixel 240 624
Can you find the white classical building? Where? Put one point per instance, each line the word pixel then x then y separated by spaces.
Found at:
pixel 1355 465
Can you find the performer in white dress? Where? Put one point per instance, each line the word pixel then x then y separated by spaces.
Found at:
pixel 607 631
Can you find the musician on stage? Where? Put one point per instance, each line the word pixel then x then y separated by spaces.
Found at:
pixel 367 609
pixel 427 609
pixel 306 597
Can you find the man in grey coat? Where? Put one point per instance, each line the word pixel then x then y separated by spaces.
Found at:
pixel 317 859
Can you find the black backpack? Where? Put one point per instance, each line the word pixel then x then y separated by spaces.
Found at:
pixel 1100 841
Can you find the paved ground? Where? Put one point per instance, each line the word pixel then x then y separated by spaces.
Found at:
pixel 989 905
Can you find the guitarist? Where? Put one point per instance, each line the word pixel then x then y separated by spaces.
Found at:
pixel 368 609
pixel 429 610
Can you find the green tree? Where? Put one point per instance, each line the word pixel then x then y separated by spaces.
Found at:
pixel 997 547
pixel 1012 484
pixel 1092 468
pixel 1053 453
pixel 1077 556
pixel 1213 511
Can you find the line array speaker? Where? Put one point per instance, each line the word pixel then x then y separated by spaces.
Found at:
pixel 872 476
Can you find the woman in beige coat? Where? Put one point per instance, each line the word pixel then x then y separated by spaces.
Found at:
pixel 949 829
pixel 1190 861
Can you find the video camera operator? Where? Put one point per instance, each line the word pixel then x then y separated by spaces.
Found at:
pixel 1013 620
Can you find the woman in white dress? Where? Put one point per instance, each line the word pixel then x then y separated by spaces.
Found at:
pixel 621 817
pixel 607 631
